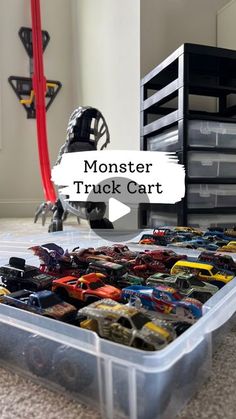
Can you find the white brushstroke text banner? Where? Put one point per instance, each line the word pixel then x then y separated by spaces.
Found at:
pixel 156 174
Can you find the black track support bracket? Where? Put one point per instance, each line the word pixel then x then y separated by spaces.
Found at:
pixel 25 35
pixel 23 86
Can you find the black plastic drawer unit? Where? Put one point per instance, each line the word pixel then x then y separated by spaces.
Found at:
pixel 187 107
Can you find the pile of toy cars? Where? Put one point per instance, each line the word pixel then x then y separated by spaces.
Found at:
pixel 143 299
pixel 213 239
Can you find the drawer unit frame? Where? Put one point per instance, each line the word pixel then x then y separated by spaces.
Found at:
pixel 200 71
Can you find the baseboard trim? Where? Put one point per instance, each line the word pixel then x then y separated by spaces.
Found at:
pixel 11 208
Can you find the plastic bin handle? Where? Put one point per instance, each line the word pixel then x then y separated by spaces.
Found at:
pixel 219 316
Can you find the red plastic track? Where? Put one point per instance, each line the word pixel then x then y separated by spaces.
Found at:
pixel 39 86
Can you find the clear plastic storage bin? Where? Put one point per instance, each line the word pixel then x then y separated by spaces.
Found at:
pixel 211 134
pixel 211 196
pixel 121 382
pixel 212 165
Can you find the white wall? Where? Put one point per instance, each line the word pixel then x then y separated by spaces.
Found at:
pixel 226 28
pixel 166 24
pixel 20 184
pixel 95 52
pixel 107 64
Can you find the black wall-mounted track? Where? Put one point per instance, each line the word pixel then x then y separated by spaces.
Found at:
pixel 23 86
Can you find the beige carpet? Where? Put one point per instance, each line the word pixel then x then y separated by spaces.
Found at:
pixel 20 398
pixel 216 398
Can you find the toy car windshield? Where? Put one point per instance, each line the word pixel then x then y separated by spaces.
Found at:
pixel 120 272
pixel 54 247
pixel 140 320
pixel 146 236
pixel 159 233
pixel 108 268
pixel 50 300
pixel 96 285
pixel 197 282
pixel 162 231
pixel 30 271
pixel 214 271
pixel 120 249
pixel 27 272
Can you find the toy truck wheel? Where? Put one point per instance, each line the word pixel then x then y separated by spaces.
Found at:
pixel 79 319
pixel 10 341
pixel 56 225
pixel 91 300
pixel 131 300
pixel 140 344
pixel 38 354
pixel 62 293
pixel 104 223
pixel 202 296
pixel 153 395
pixel 181 327
pixel 192 368
pixel 73 369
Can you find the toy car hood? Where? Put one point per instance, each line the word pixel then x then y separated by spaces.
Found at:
pixel 61 310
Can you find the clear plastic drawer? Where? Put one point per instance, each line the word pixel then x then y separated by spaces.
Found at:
pixel 204 165
pixel 211 134
pixel 211 196
pixel 212 220
pixel 165 141
pixel 157 218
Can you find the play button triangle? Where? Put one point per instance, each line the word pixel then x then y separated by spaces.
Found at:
pixel 117 209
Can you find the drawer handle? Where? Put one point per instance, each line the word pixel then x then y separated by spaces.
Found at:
pixel 207 163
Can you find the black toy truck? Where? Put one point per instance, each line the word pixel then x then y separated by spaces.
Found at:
pixel 16 275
